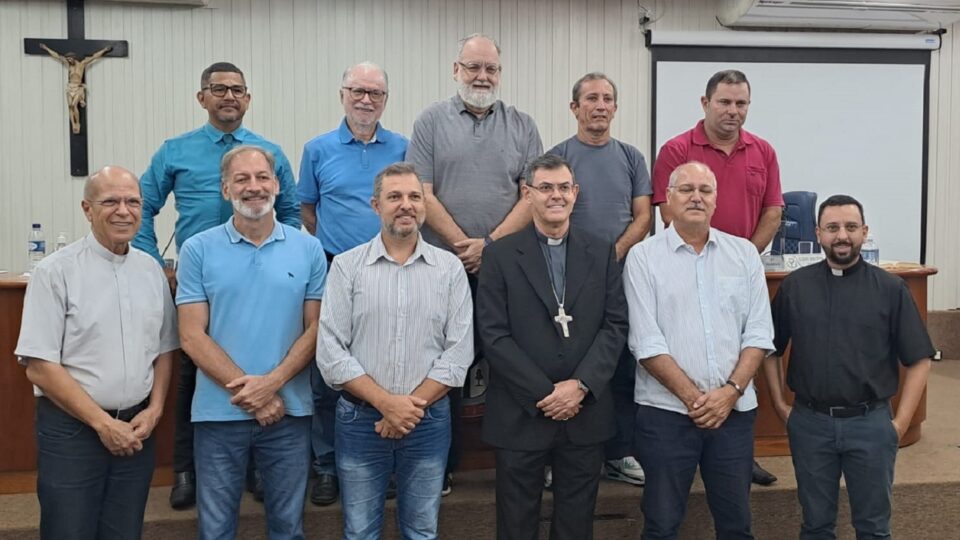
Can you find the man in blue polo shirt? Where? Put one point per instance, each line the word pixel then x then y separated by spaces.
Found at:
pixel 189 166
pixel 336 185
pixel 249 305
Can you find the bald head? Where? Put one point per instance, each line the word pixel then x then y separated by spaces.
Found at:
pixel 692 169
pixel 112 204
pixel 692 196
pixel 365 70
pixel 110 173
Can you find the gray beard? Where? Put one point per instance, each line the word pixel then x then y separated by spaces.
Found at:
pixel 250 213
pixel 475 99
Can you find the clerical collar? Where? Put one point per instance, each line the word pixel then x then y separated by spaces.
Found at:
pixel 544 239
pixel 841 272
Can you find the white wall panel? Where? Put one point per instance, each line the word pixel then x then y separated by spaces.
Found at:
pixel 294 52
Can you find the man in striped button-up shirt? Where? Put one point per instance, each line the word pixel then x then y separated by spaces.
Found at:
pixel 699 327
pixel 396 334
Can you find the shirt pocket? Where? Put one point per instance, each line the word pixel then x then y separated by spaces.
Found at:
pixel 732 293
pixel 756 180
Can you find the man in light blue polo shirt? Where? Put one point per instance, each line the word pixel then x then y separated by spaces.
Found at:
pixel 189 166
pixel 249 304
pixel 336 185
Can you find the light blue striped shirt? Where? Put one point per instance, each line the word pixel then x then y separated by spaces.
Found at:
pixel 701 309
pixel 399 324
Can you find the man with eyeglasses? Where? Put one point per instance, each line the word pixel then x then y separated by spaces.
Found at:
pixel 336 184
pixel 552 317
pixel 189 166
pixel 471 151
pixel 750 198
pixel 614 203
pixel 97 339
pixel 849 325
pixel 699 328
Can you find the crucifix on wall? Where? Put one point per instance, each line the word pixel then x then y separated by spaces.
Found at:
pixel 76 53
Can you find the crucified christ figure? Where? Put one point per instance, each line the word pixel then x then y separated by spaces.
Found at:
pixel 76 90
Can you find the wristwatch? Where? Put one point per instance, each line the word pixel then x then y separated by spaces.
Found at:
pixel 581 386
pixel 735 386
pixel 487 241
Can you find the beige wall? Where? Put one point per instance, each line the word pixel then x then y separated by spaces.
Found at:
pixel 294 51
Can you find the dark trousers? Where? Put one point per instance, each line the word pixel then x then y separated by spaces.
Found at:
pixel 670 447
pixel 323 427
pixel 183 427
pixel 86 492
pixel 519 488
pixel 621 387
pixel 864 450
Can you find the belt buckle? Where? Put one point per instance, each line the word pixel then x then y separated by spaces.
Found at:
pixel 839 410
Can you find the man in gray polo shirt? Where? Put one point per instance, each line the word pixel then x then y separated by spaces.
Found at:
pixel 471 151
pixel 614 203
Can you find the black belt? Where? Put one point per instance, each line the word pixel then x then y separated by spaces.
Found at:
pixel 354 399
pixel 125 415
pixel 843 411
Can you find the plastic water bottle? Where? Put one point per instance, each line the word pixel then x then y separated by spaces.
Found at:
pixel 61 242
pixel 870 251
pixel 36 247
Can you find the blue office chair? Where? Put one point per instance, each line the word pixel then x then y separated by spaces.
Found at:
pixel 799 223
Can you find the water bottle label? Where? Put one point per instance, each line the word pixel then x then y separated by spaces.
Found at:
pixel 37 245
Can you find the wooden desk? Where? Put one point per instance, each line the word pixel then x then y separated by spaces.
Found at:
pixel 18 449
pixel 770 435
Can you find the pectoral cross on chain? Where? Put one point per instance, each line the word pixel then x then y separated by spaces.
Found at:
pixel 563 319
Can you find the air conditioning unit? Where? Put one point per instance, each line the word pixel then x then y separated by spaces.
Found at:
pixel 195 3
pixel 916 15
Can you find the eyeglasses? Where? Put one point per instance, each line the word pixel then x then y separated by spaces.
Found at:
pixel 547 188
pixel 131 202
pixel 357 93
pixel 834 228
pixel 475 69
pixel 220 90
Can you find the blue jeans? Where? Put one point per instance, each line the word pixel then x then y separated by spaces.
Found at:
pixel 86 492
pixel 221 452
pixel 863 449
pixel 321 432
pixel 670 447
pixel 365 462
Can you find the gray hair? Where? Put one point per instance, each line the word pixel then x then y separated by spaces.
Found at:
pixel 681 172
pixel 594 76
pixel 463 42
pixel 397 169
pixel 366 64
pixel 243 149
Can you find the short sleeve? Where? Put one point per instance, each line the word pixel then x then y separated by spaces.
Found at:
pixel 44 316
pixel 190 273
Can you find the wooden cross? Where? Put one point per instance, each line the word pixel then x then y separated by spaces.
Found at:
pixel 76 53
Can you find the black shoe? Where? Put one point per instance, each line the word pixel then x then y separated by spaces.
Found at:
pixel 392 488
pixel 761 476
pixel 447 485
pixel 255 484
pixel 325 490
pixel 183 495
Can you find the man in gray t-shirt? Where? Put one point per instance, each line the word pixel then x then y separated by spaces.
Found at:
pixel 614 202
pixel 471 151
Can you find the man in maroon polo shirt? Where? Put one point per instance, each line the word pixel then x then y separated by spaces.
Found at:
pixel 749 197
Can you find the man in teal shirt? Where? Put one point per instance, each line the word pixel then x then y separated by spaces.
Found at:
pixel 189 166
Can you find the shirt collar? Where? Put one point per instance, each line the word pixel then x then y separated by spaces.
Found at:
pixel 676 242
pixel 462 107
pixel 378 251
pixel 857 267
pixel 547 241
pixel 346 136
pixel 700 136
pixel 100 250
pixel 216 135
pixel 276 234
